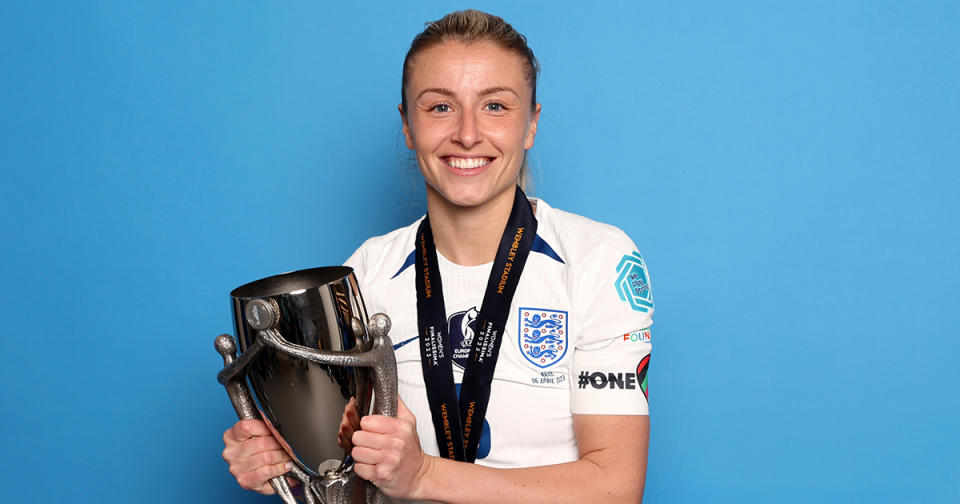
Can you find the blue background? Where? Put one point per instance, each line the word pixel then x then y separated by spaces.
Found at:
pixel 788 171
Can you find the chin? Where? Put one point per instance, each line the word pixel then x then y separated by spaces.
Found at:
pixel 469 196
pixel 465 199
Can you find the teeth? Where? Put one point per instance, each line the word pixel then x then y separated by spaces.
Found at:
pixel 467 163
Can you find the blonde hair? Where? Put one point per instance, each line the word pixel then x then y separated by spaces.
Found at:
pixel 469 26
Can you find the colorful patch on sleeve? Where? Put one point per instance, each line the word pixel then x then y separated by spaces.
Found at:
pixel 633 285
pixel 642 336
pixel 542 335
pixel 642 375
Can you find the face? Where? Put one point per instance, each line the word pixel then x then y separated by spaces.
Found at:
pixel 469 120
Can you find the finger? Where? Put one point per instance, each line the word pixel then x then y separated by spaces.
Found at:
pixel 350 413
pixel 259 480
pixel 246 429
pixel 251 428
pixel 346 430
pixel 344 440
pixel 366 455
pixel 365 471
pixel 376 441
pixel 349 423
pixel 267 487
pixel 403 413
pixel 255 462
pixel 267 473
pixel 379 424
pixel 250 447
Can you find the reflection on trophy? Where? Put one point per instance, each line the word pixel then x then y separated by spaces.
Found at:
pixel 306 348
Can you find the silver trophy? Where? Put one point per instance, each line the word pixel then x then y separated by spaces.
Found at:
pixel 306 348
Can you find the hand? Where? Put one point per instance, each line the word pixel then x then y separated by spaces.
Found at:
pixel 386 452
pixel 254 456
pixel 349 423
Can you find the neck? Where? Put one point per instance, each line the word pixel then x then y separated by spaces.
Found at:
pixel 468 236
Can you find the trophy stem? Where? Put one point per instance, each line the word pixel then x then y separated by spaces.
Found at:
pixel 304 478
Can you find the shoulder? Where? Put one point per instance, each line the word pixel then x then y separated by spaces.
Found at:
pixel 583 243
pixel 384 254
pixel 606 271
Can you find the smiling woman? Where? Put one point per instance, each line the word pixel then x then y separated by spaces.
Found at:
pixel 470 125
pixel 531 299
pixel 468 27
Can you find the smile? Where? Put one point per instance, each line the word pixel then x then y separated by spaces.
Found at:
pixel 467 163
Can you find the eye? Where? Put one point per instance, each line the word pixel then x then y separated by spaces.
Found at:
pixel 440 108
pixel 495 107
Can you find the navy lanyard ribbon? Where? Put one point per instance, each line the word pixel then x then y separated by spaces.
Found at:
pixel 458 440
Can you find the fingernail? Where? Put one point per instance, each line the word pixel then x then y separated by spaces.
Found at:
pixel 288 466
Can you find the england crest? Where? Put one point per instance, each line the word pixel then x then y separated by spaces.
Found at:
pixel 542 335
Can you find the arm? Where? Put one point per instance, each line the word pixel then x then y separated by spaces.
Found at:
pixel 611 468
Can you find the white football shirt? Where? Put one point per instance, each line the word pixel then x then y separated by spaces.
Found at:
pixel 577 340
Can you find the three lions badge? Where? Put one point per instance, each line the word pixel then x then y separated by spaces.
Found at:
pixel 542 335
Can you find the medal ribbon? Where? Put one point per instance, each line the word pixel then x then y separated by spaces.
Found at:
pixel 458 440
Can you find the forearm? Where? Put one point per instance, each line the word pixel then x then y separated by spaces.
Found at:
pixel 611 468
pixel 590 479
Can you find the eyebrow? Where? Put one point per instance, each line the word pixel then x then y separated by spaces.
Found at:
pixel 485 92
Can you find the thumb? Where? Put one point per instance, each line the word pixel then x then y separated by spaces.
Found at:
pixel 403 413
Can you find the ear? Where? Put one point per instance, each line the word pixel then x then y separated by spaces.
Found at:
pixel 532 129
pixel 406 127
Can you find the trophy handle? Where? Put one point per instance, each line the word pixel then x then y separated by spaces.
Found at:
pixel 384 367
pixel 380 359
pixel 384 384
pixel 245 407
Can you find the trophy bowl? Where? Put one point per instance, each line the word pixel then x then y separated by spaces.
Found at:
pixel 307 347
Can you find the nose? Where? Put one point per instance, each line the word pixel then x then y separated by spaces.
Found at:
pixel 467 134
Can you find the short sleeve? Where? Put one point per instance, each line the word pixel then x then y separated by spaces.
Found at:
pixel 612 351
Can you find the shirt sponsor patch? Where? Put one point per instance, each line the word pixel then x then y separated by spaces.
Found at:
pixel 633 283
pixel 542 335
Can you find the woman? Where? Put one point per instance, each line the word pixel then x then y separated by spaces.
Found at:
pixel 582 310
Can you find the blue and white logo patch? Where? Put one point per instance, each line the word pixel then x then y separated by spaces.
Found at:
pixel 633 284
pixel 543 335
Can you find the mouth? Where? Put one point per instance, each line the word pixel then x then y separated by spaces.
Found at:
pixel 467 163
